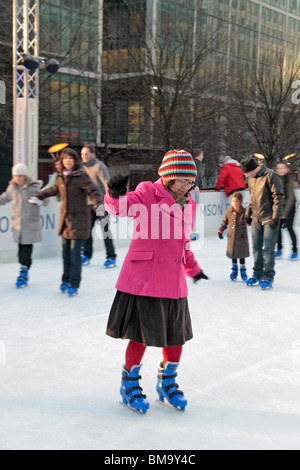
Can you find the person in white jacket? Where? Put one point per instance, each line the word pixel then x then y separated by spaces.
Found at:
pixel 26 221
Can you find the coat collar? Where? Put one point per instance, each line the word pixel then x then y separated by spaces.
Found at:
pixel 163 193
pixel 166 200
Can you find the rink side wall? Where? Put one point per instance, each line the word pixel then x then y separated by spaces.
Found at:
pixel 211 211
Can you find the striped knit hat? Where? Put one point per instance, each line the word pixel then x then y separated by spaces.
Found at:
pixel 178 164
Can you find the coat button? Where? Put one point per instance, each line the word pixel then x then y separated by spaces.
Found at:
pixel 177 261
pixel 181 242
pixel 160 260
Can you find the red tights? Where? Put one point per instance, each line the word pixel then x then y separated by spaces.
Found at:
pixel 135 352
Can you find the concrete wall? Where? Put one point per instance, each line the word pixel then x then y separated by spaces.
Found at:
pixel 212 209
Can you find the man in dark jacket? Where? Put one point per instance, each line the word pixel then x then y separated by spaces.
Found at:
pixel 98 172
pixel 264 214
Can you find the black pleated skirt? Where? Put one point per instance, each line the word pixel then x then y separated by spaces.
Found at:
pixel 150 321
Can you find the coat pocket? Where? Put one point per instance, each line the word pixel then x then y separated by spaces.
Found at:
pixel 141 255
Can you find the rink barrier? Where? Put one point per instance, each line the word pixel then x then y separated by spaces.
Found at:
pixel 211 211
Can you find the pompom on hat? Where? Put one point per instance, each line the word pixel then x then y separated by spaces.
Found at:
pixel 20 170
pixel 178 164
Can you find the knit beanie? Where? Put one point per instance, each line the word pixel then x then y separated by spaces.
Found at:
pixel 20 170
pixel 178 164
pixel 248 165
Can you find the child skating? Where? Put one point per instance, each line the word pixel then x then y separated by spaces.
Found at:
pixel 26 222
pixel 150 307
pixel 238 245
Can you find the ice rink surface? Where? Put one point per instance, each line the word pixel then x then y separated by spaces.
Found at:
pixel 60 374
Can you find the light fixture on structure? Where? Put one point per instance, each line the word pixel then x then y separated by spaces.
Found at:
pixel 259 156
pixel 286 159
pixel 32 63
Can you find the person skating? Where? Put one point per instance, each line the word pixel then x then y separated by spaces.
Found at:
pixel 73 185
pixel 289 211
pixel 231 177
pixel 238 245
pixel 150 307
pixel 26 222
pixel 98 172
pixel 263 214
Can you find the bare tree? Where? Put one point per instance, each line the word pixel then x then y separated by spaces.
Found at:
pixel 176 87
pixel 265 112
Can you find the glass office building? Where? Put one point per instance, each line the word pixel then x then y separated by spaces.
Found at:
pixel 69 32
pixel 253 33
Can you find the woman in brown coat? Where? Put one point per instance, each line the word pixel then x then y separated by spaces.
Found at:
pixel 238 245
pixel 73 185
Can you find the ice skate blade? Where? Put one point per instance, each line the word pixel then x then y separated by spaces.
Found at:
pixel 134 410
pixel 167 405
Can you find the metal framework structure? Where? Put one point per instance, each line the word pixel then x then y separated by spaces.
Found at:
pixel 26 84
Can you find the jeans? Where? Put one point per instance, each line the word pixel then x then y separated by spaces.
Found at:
pixel 264 240
pixel 108 241
pixel 72 262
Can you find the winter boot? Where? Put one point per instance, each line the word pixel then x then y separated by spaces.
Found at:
pixel 23 279
pixel 167 388
pixel 266 284
pixel 278 254
pixel 243 273
pixel 234 272
pixel 253 281
pixel 131 391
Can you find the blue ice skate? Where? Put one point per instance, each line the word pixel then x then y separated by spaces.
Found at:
pixel 278 254
pixel 253 281
pixel 243 273
pixel 266 284
pixel 194 236
pixel 234 272
pixel 85 261
pixel 131 391
pixel 294 257
pixel 64 287
pixel 72 291
pixel 110 263
pixel 23 279
pixel 168 389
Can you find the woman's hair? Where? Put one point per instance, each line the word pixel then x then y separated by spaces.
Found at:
pixel 284 164
pixel 72 153
pixel 238 196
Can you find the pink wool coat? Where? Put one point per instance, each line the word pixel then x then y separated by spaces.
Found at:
pixel 159 256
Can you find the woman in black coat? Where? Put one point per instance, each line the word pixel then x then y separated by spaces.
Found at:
pixel 73 185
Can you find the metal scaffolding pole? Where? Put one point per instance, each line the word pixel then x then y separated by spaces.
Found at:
pixel 26 84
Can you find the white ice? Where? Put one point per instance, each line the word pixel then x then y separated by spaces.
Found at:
pixel 60 374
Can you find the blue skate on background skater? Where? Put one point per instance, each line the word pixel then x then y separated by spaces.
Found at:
pixel 23 279
pixel 168 389
pixel 131 391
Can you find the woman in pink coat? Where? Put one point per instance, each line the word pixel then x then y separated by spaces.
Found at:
pixel 151 307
